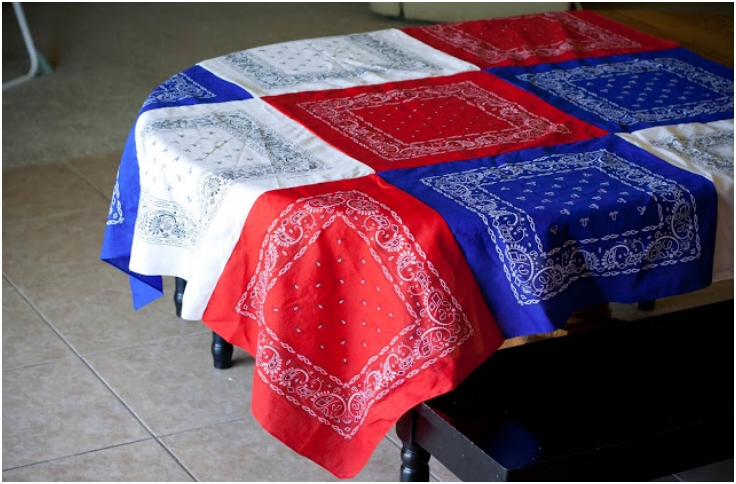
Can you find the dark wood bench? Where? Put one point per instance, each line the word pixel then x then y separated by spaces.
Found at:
pixel 632 401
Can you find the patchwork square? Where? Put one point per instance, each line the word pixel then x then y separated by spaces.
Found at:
pixel 626 93
pixel 334 62
pixel 404 124
pixel 537 38
pixel 706 149
pixel 193 86
pixel 597 221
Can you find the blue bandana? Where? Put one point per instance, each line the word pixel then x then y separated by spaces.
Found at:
pixel 624 93
pixel 549 231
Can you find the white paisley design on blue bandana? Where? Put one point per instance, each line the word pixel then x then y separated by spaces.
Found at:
pixel 650 91
pixel 115 215
pixel 178 88
pixel 542 258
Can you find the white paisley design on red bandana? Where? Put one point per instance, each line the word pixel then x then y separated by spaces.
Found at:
pixel 436 323
pixel 426 109
pixel 584 36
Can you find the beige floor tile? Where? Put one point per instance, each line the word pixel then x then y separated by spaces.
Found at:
pixel 49 248
pixel 6 285
pixel 173 386
pixel 45 190
pixel 95 312
pixel 393 437
pixel 27 339
pixel 144 461
pixel 59 409
pixel 243 451
pixel 100 170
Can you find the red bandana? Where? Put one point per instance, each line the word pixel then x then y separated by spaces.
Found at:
pixel 421 122
pixel 343 302
pixel 533 39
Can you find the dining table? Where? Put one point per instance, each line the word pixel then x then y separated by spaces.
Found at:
pixel 372 215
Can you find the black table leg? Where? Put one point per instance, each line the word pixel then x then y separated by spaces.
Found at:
pixel 181 284
pixel 414 459
pixel 222 351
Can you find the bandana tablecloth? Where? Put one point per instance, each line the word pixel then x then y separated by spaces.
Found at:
pixel 370 215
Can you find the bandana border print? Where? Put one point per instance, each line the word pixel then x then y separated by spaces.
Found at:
pixel 436 331
pixel 338 114
pixel 115 213
pixel 596 38
pixel 178 88
pixel 541 273
pixel 560 82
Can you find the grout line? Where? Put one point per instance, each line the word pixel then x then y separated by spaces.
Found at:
pixel 76 454
pixel 86 180
pixel 19 289
pixel 105 383
pixel 139 419
pixel 176 459
pixel 33 365
pixel 180 432
pixel 148 343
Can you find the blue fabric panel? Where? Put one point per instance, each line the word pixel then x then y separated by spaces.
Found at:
pixel 548 231
pixel 195 85
pixel 118 239
pixel 624 93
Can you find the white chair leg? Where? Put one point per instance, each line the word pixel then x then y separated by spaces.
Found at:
pixel 38 66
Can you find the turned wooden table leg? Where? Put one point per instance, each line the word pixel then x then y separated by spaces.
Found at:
pixel 181 284
pixel 222 351
pixel 414 459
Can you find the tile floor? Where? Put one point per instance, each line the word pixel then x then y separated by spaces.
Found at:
pixel 93 391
